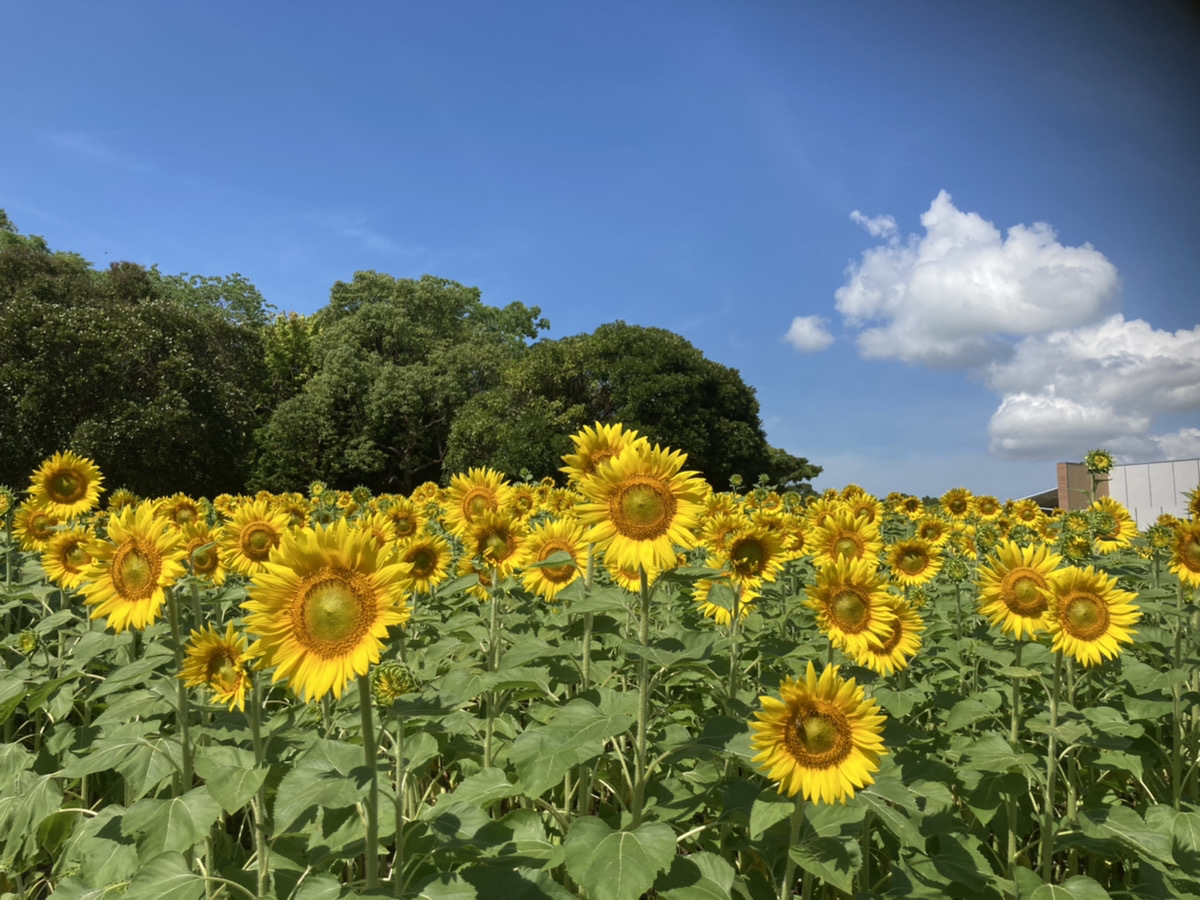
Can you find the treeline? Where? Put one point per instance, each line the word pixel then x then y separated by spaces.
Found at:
pixel 195 384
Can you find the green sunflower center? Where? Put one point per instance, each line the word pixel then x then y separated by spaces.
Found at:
pixel 1190 555
pixel 405 525
pixel 135 569
pixel 556 574
pixel 913 562
pixel 74 558
pixel 203 555
pixel 1085 616
pixel 1021 592
pixel 749 556
pixel 847 545
pixel 66 486
pixel 477 502
pixel 643 508
pixel 819 736
pixel 850 610
pixel 258 539
pixel 41 526
pixel 335 612
pixel 496 546
pixel 424 562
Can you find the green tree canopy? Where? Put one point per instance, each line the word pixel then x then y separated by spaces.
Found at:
pixel 146 374
pixel 646 378
pixel 392 361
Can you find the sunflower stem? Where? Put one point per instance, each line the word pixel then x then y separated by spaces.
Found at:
pixel 789 871
pixel 181 709
pixel 1177 701
pixel 639 780
pixel 1072 776
pixel 1014 736
pixel 371 800
pixel 734 656
pixel 401 778
pixel 589 574
pixel 1048 819
pixel 261 849
pixel 493 663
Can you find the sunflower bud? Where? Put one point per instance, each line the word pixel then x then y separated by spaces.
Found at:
pixel 28 642
pixel 1098 462
pixel 389 680
pixel 957 569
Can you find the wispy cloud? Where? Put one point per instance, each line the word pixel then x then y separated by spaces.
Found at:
pixel 808 334
pixel 357 227
pixel 96 149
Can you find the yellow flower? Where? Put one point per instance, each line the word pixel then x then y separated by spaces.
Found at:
pixel 986 506
pixel 429 558
pixel 203 552
pixel 1123 529
pixel 914 561
pixel 956 503
pixel 218 661
pixel 472 495
pixel 1089 615
pixel 1098 462
pixel 822 738
pixel 754 555
pixel 850 599
pixel 893 653
pixel 563 536
pixel 33 526
pixel 640 506
pixel 66 555
pixel 596 446
pixel 66 485
pixel 1185 553
pixel 932 529
pixel 1014 587
pixel 130 572
pixel 844 537
pixel 322 607
pixel 179 510
pixel 248 538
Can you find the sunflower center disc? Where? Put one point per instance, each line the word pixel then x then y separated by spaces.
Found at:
pixel 555 574
pixel 1024 595
pixel 1086 617
pixel 185 516
pixel 75 558
pixel 913 562
pixel 496 547
pixel 134 574
pixel 423 563
pixel 850 610
pixel 476 504
pixel 204 561
pixel 845 546
pixel 645 509
pixel 404 525
pixel 818 735
pixel 1191 556
pixel 749 557
pixel 66 487
pixel 257 542
pixel 333 612
pixel 41 526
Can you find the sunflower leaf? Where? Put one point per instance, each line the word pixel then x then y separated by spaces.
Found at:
pixel 698 876
pixel 1077 887
pixel 617 865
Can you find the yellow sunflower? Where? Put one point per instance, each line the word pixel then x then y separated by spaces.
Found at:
pixel 472 495
pixel 716 599
pixel 823 738
pixel 1014 587
pixel 563 536
pixel 640 506
pixel 956 503
pixel 406 516
pixel 932 529
pixel 866 506
pixel 844 537
pixel 498 541
pixel 850 599
pixel 203 552
pixel 715 530
pixel 1118 529
pixel 522 501
pixel 753 555
pixel 821 509
pixel 179 510
pixel 1027 511
pixel 130 572
pixel 33 526
pixel 220 662
pixel 66 485
pixel 887 656
pixel 322 607
pixel 1089 615
pixel 986 506
pixel 379 526
pixel 247 539
pixel 1185 553
pixel 429 557
pixel 295 506
pixel 595 446
pixel 911 506
pixel 1098 462
pixel 66 555
pixel 914 561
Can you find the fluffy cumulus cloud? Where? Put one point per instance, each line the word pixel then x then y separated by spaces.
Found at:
pixel 1103 384
pixel 957 295
pixel 1036 321
pixel 808 334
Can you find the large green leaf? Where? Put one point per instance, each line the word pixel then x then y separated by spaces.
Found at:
pixel 520 883
pixel 482 789
pixel 175 824
pixel 1128 828
pixel 698 876
pixel 544 754
pixel 903 822
pixel 166 877
pixel 617 865
pixel 1077 887
pixel 329 774
pixel 829 844
pixel 229 774
pixel 23 806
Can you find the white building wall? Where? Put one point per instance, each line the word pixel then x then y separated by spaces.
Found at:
pixel 1150 489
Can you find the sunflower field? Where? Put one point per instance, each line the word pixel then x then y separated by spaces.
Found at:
pixel 629 686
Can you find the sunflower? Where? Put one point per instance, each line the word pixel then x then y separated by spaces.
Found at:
pixel 914 561
pixel 716 599
pixel 844 537
pixel 498 540
pixel 407 519
pixel 130 572
pixel 821 509
pixel 66 485
pixel 248 538
pixel 563 536
pixel 218 661
pixel 986 506
pixel 911 506
pixel 721 503
pixel 866 506
pixel 754 554
pixel 1122 530
pixel 1098 462
pixel 887 656
pixel 932 529
pixel 715 530
pixel 1089 615
pixel 429 557
pixel 1185 553
pixel 66 555
pixel 640 505
pixel 33 525
pixel 179 510
pixel 295 506
pixel 379 526
pixel 472 495
pixel 203 553
pixel 822 738
pixel 596 446
pixel 1014 587
pixel 322 606
pixel 522 501
pixel 956 503
pixel 1193 504
pixel 1027 511
pixel 850 599
pixel 7 499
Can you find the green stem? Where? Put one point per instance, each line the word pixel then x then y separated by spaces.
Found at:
pixel 261 849
pixel 1048 819
pixel 734 655
pixel 401 778
pixel 1014 736
pixel 181 709
pixel 639 780
pixel 789 872
pixel 493 663
pixel 586 674
pixel 371 800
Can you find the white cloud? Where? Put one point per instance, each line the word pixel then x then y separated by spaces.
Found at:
pixel 879 226
pixel 956 296
pixel 1103 384
pixel 808 334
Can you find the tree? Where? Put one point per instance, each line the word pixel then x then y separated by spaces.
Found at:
pixel 163 394
pixel 394 359
pixel 647 378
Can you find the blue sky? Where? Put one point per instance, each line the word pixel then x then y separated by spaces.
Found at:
pixel 841 201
